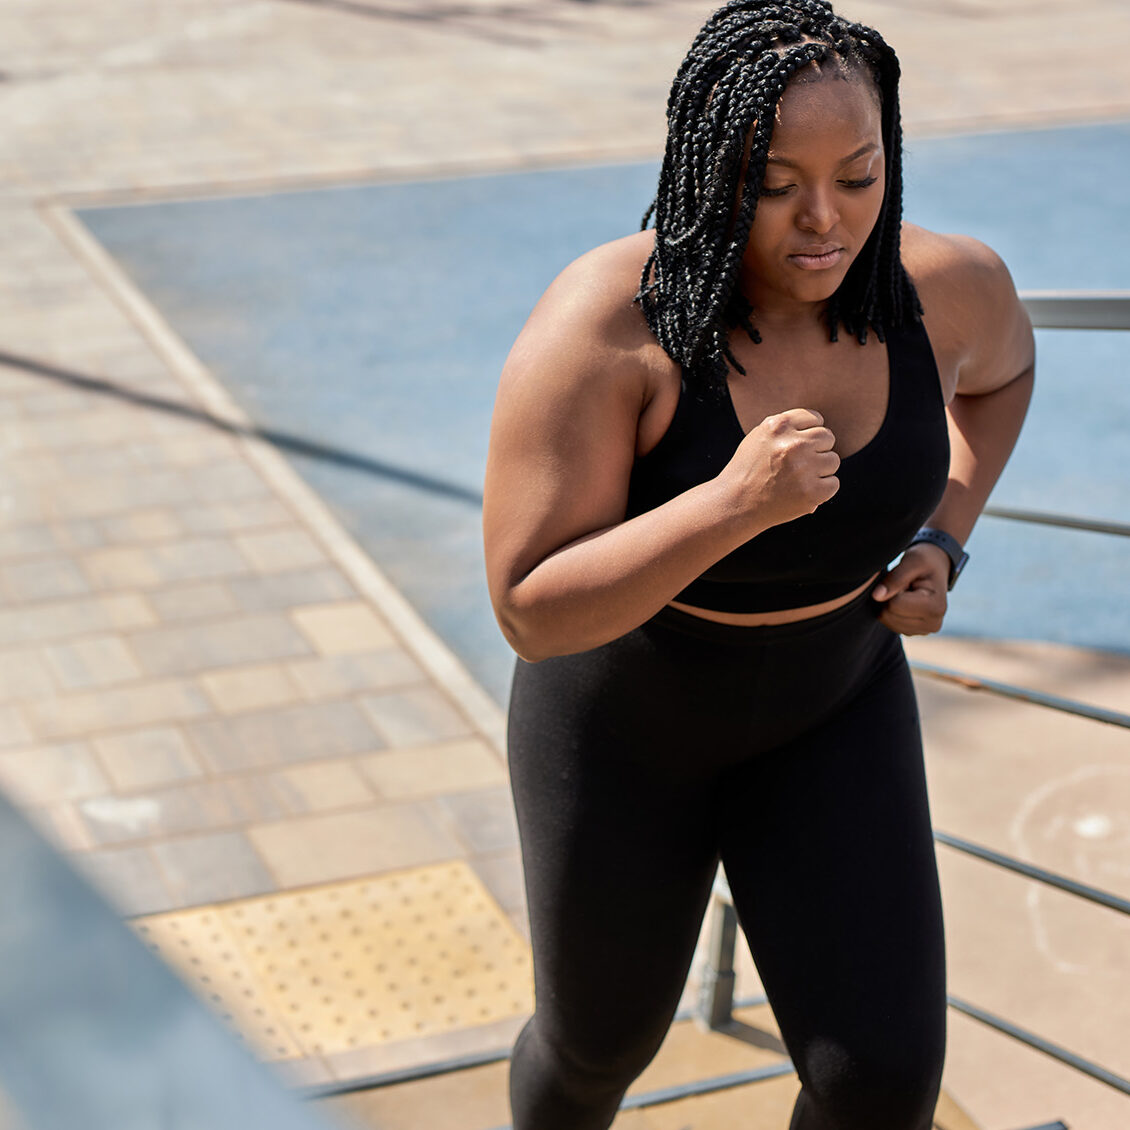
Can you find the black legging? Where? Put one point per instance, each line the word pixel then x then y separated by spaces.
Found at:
pixel 792 753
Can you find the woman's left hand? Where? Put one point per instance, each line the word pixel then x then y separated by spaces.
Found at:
pixel 914 591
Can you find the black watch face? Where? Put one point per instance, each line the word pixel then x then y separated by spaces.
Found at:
pixel 959 564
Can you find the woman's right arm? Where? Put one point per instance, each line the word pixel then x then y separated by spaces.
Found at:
pixel 566 571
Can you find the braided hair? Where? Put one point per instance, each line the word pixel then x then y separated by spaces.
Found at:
pixel 728 87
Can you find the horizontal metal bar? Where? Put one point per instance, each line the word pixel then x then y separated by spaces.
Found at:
pixel 751 1002
pixel 1040 1044
pixel 403 1075
pixel 1078 309
pixel 1065 521
pixel 1023 694
pixel 702 1087
pixel 707 1086
pixel 1050 878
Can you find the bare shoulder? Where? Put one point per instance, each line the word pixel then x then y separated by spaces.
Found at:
pixel 567 417
pixel 588 315
pixel 955 270
pixel 977 324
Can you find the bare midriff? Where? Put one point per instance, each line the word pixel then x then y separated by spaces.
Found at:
pixel 778 616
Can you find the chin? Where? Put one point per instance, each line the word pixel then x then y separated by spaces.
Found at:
pixel 819 291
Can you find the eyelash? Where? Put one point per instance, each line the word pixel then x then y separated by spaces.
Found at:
pixel 865 183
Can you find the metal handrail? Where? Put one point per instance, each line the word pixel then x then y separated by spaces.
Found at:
pixel 1078 309
pixel 716 1002
pixel 1086 1066
pixel 1048 310
pixel 410 1074
pixel 1039 874
pixel 1096 310
pixel 1063 521
pixel 708 1086
pixel 1072 310
pixel 698 1087
pixel 1023 694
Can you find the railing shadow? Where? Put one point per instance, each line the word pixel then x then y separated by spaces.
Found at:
pixel 286 441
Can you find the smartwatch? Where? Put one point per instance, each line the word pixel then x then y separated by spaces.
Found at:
pixel 949 545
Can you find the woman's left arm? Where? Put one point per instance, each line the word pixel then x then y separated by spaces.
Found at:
pixel 986 337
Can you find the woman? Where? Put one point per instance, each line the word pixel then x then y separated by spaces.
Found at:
pixel 710 441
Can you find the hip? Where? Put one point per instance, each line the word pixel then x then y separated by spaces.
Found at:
pixel 681 681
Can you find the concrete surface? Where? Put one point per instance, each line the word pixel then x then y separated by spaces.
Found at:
pixel 199 664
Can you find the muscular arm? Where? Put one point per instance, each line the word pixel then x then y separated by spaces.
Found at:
pixel 566 571
pixel 607 582
pixel 981 326
pixel 983 430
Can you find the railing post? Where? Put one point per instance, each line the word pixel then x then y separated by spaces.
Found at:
pixel 716 992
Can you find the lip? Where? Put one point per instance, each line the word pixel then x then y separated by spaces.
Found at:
pixel 817 258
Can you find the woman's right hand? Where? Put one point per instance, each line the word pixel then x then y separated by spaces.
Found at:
pixel 784 468
pixel 567 570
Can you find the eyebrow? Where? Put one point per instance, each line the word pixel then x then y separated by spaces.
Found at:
pixel 870 147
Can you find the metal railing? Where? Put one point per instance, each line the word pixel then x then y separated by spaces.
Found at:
pixel 1097 310
pixel 1079 310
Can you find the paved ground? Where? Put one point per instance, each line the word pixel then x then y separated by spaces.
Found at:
pixel 207 692
pixel 396 442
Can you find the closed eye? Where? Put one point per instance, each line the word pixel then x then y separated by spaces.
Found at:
pixel 865 182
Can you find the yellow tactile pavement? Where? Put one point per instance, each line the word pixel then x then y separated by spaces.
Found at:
pixel 313 972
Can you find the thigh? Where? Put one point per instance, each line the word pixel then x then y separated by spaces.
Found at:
pixel 618 863
pixel 829 852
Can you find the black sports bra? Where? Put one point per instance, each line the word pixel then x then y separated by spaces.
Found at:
pixel 887 490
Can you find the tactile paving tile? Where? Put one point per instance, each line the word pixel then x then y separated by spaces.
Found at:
pixel 201 946
pixel 323 970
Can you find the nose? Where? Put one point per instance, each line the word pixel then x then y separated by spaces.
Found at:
pixel 818 211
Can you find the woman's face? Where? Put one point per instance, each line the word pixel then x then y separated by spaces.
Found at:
pixel 821 195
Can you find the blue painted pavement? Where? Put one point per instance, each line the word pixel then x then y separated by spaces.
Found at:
pixel 370 323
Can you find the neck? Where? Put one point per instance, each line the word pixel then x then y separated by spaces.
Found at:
pixel 789 317
pixel 777 311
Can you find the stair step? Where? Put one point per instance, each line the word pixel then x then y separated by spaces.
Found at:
pixel 476 1097
pixel 464 1100
pixel 948 1115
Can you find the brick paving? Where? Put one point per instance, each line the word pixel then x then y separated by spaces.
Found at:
pixel 206 692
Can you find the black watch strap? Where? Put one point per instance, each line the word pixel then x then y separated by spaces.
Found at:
pixel 949 545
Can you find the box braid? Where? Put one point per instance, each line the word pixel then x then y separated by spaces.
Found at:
pixel 727 87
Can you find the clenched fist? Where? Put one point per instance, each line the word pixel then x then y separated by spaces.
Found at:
pixel 784 468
